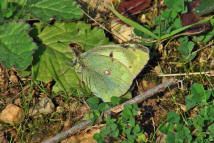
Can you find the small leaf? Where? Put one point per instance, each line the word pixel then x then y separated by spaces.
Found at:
pixel 136 129
pixel 141 138
pixel 190 102
pixel 132 121
pixel 93 102
pixel 173 117
pixel 198 122
pixel 198 96
pixel 99 137
pixel 103 106
pixel 58 9
pixel 170 138
pixel 16 46
pixel 183 135
pixel 186 48
pixel 115 100
pixel 211 129
pixel 177 5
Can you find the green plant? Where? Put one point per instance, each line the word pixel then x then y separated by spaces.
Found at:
pixel 123 128
pixel 186 47
pixel 198 129
pixel 150 33
pixel 167 25
pixel 35 47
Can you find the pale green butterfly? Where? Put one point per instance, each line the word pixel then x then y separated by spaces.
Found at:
pixel 110 70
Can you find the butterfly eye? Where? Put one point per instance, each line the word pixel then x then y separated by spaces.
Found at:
pixel 107 72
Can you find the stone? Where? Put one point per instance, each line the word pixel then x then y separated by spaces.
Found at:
pixel 44 106
pixel 12 114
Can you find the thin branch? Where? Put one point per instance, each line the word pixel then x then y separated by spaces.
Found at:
pixel 185 74
pixel 68 132
pixel 115 109
pixel 143 96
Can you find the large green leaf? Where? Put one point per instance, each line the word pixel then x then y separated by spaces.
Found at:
pixel 59 9
pixel 53 58
pixel 16 46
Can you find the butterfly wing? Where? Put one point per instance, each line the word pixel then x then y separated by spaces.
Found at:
pixel 109 70
pixel 105 77
pixel 132 56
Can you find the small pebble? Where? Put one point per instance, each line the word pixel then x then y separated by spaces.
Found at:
pixel 12 114
pixel 44 106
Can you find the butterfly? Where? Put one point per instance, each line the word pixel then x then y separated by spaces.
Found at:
pixel 110 70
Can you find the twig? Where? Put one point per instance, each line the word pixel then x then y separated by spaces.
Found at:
pixel 185 74
pixel 143 96
pixel 68 132
pixel 116 109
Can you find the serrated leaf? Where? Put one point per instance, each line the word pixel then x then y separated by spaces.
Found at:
pixel 52 64
pixel 54 59
pixel 60 35
pixel 16 46
pixel 58 9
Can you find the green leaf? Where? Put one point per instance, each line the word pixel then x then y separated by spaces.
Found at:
pixel 186 48
pixel 170 138
pixel 198 122
pixel 53 59
pixel 211 129
pixel 177 5
pixel 136 129
pixel 16 46
pixel 51 64
pixel 115 100
pixel 99 137
pixel 207 113
pixel 198 96
pixel 103 106
pixel 93 102
pixel 132 121
pixel 183 135
pixel 141 138
pixel 58 9
pixel 173 117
